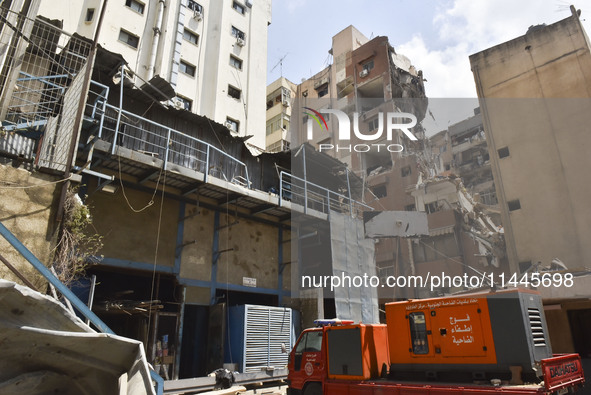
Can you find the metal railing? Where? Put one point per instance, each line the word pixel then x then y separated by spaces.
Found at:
pixel 125 129
pixel 34 100
pixel 315 197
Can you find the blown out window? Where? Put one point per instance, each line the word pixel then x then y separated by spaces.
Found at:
pixel 418 333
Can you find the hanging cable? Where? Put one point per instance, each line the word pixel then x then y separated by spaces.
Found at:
pixel 151 202
pixel 157 246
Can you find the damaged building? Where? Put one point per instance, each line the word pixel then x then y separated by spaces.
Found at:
pixel 367 80
pixel 462 236
pixel 461 150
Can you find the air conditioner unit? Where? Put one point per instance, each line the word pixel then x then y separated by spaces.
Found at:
pixel 364 73
pixel 178 103
pixel 197 15
pixel 229 125
pixel 285 103
pixel 240 42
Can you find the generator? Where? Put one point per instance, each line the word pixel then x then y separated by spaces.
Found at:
pixel 478 336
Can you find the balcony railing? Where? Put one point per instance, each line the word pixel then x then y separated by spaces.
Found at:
pixel 311 196
pixel 125 129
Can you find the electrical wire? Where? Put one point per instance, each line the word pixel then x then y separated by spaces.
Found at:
pixel 33 186
pixel 151 202
pixel 157 245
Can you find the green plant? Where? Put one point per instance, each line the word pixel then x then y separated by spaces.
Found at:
pixel 79 243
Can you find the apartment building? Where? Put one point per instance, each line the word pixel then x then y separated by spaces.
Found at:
pixel 212 52
pixel 280 96
pixel 534 94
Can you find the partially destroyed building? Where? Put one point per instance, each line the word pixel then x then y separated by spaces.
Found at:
pixel 367 81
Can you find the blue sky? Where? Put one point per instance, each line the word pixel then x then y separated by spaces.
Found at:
pixel 437 36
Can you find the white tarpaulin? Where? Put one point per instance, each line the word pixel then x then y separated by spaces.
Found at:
pixel 46 349
pixel 353 257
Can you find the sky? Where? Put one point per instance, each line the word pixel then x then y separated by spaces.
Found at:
pixel 437 36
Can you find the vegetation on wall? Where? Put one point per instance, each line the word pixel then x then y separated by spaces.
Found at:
pixel 79 243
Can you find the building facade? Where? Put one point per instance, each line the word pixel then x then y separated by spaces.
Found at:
pixel 534 94
pixel 280 96
pixel 213 53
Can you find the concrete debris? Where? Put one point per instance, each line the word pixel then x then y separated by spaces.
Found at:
pixel 476 222
pixel 47 349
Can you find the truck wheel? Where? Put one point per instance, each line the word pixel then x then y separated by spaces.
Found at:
pixel 313 389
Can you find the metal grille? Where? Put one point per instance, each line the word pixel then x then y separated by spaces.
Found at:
pixel 266 329
pixel 17 145
pixel 537 329
pixel 41 81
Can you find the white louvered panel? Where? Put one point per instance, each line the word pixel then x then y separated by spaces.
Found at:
pixel 266 329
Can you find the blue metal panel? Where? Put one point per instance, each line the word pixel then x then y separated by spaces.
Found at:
pixel 235 336
pixel 258 290
pixel 194 283
pixel 136 265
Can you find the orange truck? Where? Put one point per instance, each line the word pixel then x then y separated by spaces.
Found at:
pixel 485 343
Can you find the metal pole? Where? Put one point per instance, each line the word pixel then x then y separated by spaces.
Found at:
pixel 79 114
pixel 305 181
pixel 91 295
pixel 280 187
pixel 349 192
pixel 206 165
pixel 18 274
pixel 65 291
pixel 167 149
pixel 119 112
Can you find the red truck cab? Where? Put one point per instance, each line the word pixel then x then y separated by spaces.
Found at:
pixel 306 364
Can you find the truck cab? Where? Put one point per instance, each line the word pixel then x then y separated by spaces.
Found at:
pixel 336 350
pixel 306 364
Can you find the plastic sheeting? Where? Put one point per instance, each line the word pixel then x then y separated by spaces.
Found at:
pixel 353 257
pixel 47 349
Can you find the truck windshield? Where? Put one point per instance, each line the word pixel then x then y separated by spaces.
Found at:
pixel 310 342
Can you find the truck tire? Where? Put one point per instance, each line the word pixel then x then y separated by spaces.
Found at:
pixel 313 389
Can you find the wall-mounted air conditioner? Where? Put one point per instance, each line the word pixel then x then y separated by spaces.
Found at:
pixel 197 15
pixel 240 42
pixel 178 103
pixel 364 73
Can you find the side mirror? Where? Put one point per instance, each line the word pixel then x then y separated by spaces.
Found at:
pixel 283 348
